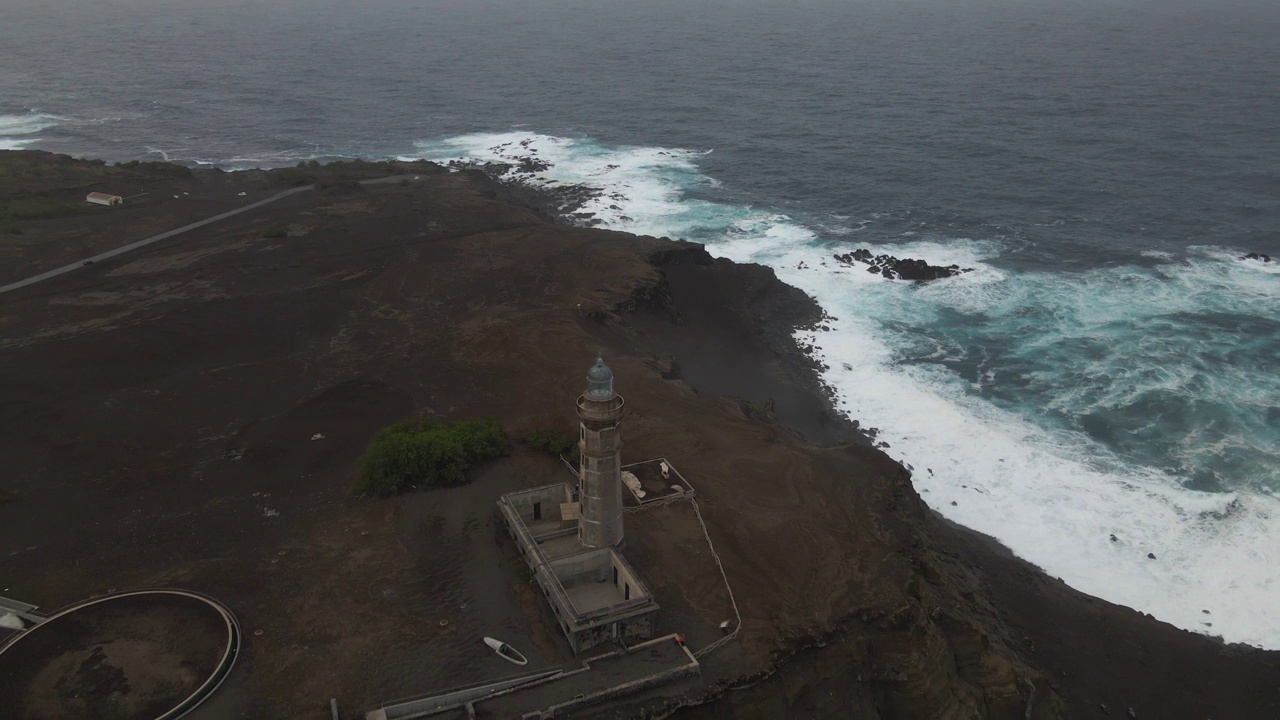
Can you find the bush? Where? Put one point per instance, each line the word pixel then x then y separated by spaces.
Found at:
pixel 552 434
pixel 428 453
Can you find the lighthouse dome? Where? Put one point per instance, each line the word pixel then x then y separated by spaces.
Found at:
pixel 599 381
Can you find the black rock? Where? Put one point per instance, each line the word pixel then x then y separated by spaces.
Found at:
pixel 532 165
pixel 1151 556
pixel 1260 257
pixel 900 269
pixel 1114 538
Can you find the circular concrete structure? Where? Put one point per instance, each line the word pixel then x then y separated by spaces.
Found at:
pixel 139 655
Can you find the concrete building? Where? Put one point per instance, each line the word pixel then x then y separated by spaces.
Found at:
pixel 98 198
pixel 570 536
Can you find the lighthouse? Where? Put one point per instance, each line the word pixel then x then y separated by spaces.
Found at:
pixel 600 468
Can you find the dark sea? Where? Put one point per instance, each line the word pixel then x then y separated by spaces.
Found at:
pixel 1110 365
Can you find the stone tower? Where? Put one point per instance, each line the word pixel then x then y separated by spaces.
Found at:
pixel 600 472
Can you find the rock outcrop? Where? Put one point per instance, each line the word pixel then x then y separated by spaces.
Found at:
pixel 900 269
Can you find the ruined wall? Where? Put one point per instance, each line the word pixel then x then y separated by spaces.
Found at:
pixel 549 499
pixel 636 629
pixel 588 567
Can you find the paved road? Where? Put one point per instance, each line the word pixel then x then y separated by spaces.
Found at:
pixel 166 235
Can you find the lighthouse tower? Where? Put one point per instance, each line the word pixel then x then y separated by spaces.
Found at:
pixel 600 472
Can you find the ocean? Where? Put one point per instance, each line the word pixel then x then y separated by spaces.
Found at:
pixel 1110 367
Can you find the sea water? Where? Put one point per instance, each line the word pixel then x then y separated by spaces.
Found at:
pixel 1100 393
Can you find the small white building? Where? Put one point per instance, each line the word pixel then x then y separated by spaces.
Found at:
pixel 98 198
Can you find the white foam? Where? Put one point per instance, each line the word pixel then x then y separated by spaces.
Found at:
pixel 19 131
pixel 642 187
pixel 1044 496
pixel 264 161
pixel 1054 497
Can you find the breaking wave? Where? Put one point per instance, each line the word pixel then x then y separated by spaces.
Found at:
pixel 20 131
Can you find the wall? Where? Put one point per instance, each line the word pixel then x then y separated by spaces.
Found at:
pixel 550 496
pixel 626 575
pixel 588 567
pixel 606 441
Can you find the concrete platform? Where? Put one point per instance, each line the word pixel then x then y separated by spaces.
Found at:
pixel 562 546
pixel 590 597
pixel 655 486
pixel 605 677
pixel 140 654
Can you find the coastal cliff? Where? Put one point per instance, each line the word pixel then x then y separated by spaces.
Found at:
pixel 163 409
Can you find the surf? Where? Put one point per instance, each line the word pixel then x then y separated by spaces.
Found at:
pixel 21 131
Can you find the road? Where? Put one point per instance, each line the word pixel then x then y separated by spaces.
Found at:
pixel 171 233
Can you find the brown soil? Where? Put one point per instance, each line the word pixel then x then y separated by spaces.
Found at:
pixel 128 658
pixel 157 424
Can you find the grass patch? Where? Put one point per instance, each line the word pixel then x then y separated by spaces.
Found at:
pixel 14 208
pixel 294 176
pixel 155 167
pixel 756 412
pixel 275 230
pixel 428 453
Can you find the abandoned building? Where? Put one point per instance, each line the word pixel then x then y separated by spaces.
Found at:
pixel 100 198
pixel 571 537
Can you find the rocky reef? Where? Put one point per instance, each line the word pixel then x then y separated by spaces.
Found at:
pixel 899 268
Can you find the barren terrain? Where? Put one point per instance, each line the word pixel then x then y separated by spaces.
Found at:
pixel 191 415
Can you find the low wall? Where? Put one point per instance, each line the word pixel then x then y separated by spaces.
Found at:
pixel 430 705
pixel 691 668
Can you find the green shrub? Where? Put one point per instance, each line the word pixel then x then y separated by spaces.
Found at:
pixel 428 453
pixel 756 412
pixel 552 433
pixel 275 230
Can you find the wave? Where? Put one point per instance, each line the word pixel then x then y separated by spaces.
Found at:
pixel 261 161
pixel 20 131
pixel 1031 406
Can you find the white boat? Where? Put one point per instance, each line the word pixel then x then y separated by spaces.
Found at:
pixel 506 652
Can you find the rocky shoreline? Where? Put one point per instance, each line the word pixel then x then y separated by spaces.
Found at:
pixel 163 408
